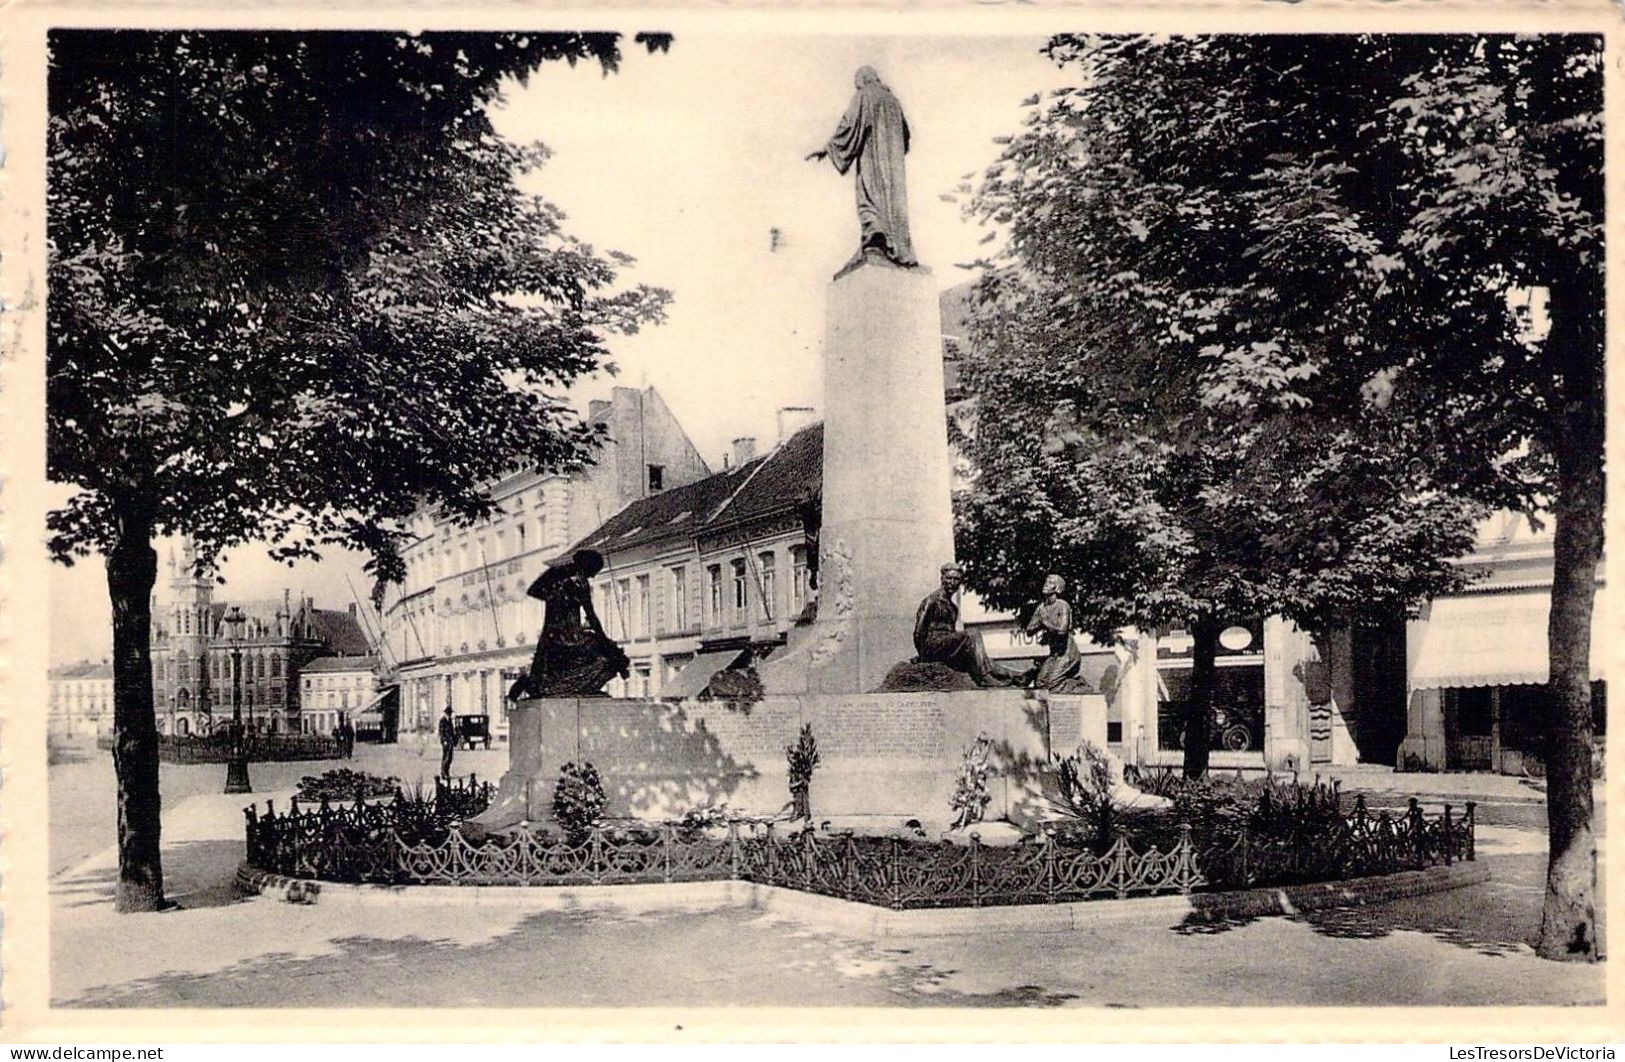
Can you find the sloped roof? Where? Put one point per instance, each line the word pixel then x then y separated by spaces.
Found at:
pixel 340 663
pixel 676 513
pixel 339 628
pixel 781 479
pixel 83 670
pixel 341 631
pixel 758 488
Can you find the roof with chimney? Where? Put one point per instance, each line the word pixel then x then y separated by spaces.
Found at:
pixel 778 481
pixel 759 488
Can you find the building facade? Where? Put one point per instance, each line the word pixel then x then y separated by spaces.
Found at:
pixel 711 577
pixel 1477 663
pixel 194 650
pixel 335 689
pixel 81 700
pixel 460 628
pixel 712 573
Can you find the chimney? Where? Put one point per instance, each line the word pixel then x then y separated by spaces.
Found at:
pixel 744 449
pixel 597 406
pixel 792 419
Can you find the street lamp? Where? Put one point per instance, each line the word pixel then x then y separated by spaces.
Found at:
pixel 237 760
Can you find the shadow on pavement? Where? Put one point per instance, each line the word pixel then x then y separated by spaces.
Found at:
pixel 196 874
pixel 1498 917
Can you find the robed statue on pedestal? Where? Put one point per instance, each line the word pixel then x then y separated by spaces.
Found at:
pixel 872 140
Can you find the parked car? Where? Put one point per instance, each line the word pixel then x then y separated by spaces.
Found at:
pixel 473 730
pixel 1229 733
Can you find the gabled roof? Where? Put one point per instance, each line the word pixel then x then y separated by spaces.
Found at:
pixel 341 631
pixel 754 490
pixel 783 477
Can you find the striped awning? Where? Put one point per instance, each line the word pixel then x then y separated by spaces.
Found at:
pixel 1496 640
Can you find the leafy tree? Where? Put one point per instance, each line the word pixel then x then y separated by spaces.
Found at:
pixel 295 293
pixel 1254 350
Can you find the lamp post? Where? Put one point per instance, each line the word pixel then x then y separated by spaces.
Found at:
pixel 237 761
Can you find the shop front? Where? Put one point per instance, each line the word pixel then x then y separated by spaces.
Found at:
pixel 1477 684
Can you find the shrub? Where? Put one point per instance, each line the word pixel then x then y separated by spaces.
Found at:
pixel 695 820
pixel 341 783
pixel 1084 791
pixel 578 801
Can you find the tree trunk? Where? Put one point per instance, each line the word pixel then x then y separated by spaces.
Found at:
pixel 132 570
pixel 1568 924
pixel 1199 711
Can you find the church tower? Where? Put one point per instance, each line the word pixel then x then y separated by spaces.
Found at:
pixel 186 649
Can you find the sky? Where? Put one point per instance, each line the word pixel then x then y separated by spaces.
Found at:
pixel 687 160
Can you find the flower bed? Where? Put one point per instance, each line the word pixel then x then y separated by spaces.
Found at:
pixel 411 841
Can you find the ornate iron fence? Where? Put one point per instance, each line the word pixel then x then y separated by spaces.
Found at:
pixel 412 841
pixel 216 748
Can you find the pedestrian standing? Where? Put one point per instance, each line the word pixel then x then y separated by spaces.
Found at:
pixel 448 743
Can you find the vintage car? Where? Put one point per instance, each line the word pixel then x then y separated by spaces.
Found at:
pixel 473 730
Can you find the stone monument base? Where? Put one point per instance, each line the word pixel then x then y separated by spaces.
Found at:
pixel 885 756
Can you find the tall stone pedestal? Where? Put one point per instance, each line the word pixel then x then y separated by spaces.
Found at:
pixel 887 517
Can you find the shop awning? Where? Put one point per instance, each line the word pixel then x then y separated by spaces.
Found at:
pixel 1495 640
pixel 696 674
pixel 373 710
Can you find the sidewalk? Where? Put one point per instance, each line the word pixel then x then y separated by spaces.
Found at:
pixel 218 949
pixel 1482 787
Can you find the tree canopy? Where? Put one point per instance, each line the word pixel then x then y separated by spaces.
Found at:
pixel 295 288
pixel 295 293
pixel 1249 343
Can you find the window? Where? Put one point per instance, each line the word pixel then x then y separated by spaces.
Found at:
pixel 799 583
pixel 623 603
pixel 640 608
pixel 183 671
pixel 276 667
pixel 657 478
pixel 713 598
pixel 679 599
pixel 741 591
pixel 769 564
pixel 541 529
pixel 519 538
pixel 640 680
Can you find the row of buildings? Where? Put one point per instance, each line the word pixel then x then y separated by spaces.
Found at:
pixel 299 668
pixel 708 570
